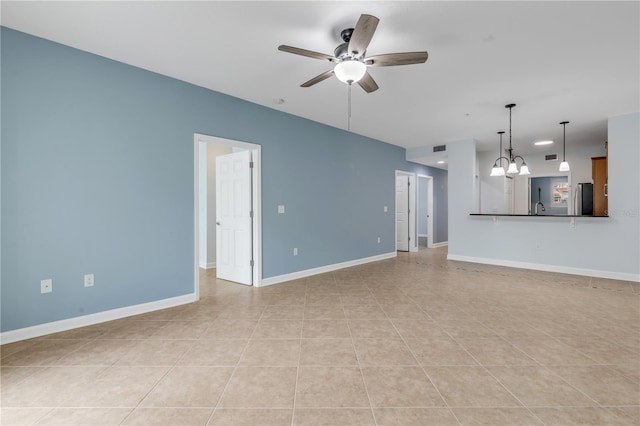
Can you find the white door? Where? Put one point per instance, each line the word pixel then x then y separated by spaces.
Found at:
pixel 402 213
pixel 233 217
pixel 406 238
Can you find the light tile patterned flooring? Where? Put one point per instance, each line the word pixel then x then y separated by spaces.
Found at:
pixel 415 340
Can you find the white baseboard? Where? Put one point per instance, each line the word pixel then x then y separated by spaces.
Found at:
pixel 548 268
pixel 440 244
pixel 209 265
pixel 323 269
pixel 91 319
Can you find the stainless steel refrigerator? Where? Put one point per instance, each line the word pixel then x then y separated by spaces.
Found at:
pixel 583 202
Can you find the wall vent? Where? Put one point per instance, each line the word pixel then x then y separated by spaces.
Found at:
pixel 551 157
pixel 439 148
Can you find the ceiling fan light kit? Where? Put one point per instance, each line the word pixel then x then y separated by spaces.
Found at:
pixel 350 70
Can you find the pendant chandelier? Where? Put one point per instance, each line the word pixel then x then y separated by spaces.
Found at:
pixel 564 166
pixel 513 166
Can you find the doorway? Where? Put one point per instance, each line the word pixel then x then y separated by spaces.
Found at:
pixel 406 238
pixel 424 211
pixel 202 197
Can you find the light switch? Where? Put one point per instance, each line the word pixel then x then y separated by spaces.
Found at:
pixel 385 208
pixel 281 209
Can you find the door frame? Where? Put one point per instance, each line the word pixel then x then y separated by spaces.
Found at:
pixel 412 215
pixel 256 194
pixel 429 179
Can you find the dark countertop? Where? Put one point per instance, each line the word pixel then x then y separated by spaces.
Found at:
pixel 530 215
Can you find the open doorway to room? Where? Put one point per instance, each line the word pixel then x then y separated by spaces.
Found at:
pixel 227 194
pixel 424 211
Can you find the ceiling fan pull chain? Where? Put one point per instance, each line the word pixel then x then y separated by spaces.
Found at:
pixel 349 113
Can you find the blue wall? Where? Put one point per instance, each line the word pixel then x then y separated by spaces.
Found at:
pixel 97 177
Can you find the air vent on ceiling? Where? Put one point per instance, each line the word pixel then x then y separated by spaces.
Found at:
pixel 439 148
pixel 551 157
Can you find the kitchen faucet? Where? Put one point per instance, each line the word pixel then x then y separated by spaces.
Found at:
pixel 539 203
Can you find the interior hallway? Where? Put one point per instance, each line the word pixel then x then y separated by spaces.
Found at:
pixel 411 340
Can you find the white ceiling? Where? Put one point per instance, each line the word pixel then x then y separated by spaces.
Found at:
pixel 576 61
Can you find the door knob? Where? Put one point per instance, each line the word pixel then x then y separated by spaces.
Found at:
pixel 218 223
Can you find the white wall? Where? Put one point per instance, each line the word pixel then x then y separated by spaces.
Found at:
pixel 602 247
pixel 491 187
pixel 461 196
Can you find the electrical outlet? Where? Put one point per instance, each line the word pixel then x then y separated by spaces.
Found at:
pixel 281 209
pixel 88 280
pixel 385 208
pixel 46 286
pixel 295 251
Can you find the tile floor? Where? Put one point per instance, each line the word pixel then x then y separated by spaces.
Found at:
pixel 415 340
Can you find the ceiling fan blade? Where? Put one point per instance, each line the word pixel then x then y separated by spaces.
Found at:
pixel 317 79
pixel 393 59
pixel 362 34
pixel 305 52
pixel 368 83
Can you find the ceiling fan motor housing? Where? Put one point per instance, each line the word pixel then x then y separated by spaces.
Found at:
pixel 345 34
pixel 342 51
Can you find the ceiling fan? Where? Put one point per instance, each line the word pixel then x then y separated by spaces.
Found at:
pixel 350 60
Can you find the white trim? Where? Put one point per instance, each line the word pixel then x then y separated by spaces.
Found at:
pixel 548 268
pixel 209 265
pixel 328 268
pixel 196 215
pixel 257 214
pixel 423 235
pixel 257 207
pixel 440 244
pixel 91 319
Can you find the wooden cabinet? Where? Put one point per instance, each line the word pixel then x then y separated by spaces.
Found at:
pixel 599 175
